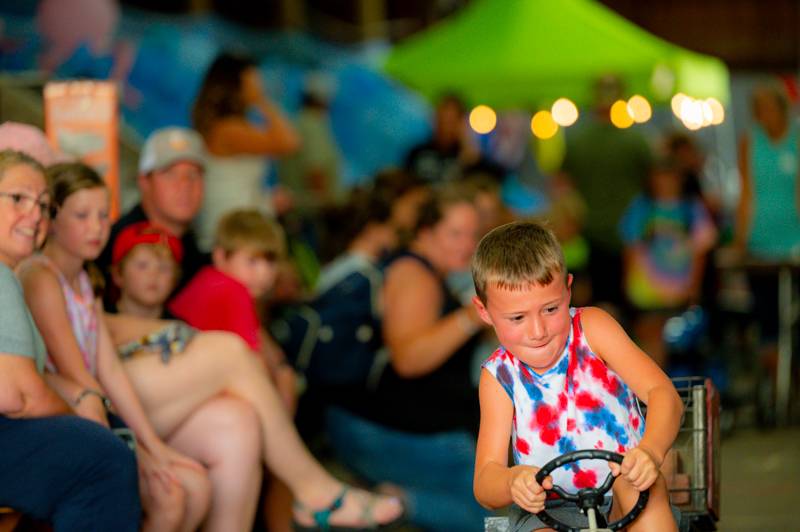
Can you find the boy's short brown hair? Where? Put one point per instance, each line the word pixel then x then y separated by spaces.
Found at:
pixel 252 230
pixel 515 255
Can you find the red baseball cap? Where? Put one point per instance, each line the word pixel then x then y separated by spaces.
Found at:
pixel 144 233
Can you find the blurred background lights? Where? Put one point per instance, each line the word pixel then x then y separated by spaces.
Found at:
pixel 691 113
pixel 693 126
pixel 620 116
pixel 676 102
pixel 564 112
pixel 482 119
pixel 639 109
pixel 543 125
pixel 696 113
pixel 717 111
pixel 707 113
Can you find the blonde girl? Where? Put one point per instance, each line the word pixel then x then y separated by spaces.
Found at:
pixel 175 489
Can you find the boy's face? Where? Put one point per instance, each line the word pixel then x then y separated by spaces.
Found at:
pixel 252 269
pixel 146 276
pixel 533 322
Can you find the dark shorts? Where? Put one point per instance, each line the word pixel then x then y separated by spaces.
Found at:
pixel 521 521
pixel 568 513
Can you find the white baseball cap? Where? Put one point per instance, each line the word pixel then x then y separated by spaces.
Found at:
pixel 167 146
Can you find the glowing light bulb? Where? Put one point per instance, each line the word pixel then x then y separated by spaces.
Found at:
pixel 564 112
pixel 676 103
pixel 693 126
pixel 620 116
pixel 639 109
pixel 691 113
pixel 482 119
pixel 717 111
pixel 707 113
pixel 543 125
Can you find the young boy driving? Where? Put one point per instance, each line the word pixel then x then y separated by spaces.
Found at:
pixel 563 379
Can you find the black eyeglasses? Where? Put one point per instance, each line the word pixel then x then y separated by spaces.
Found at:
pixel 24 203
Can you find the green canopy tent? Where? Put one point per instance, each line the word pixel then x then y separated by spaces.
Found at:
pixel 524 54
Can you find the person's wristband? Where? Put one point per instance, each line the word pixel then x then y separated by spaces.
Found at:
pixel 89 391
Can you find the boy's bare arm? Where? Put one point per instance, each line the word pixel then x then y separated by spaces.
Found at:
pixel 496 484
pixel 642 375
pixel 493 477
pixel 492 474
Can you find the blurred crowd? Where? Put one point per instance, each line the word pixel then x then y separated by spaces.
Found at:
pixel 225 325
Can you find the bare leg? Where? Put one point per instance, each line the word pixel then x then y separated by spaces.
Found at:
pixel 223 435
pixel 221 362
pixel 657 515
pixel 163 500
pixel 197 499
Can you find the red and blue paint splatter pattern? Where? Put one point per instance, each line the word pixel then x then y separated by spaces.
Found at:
pixel 579 403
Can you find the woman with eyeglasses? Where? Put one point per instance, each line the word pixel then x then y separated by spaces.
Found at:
pixel 54 466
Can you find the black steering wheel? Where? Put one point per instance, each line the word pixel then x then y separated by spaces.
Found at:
pixel 587 497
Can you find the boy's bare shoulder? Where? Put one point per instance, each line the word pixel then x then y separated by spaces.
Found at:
pixel 595 317
pixel 599 327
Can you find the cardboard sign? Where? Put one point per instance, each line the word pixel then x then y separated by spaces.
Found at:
pixel 81 120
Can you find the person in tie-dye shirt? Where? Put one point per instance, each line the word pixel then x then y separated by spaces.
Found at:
pixel 667 234
pixel 563 379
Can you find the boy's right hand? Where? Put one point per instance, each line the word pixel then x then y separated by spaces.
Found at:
pixel 525 491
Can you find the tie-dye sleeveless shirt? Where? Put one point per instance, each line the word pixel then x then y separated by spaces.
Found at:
pixel 579 403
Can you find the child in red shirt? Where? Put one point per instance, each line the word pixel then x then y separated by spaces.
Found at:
pixel 223 296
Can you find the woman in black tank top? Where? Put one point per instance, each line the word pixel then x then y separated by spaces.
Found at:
pixel 425 408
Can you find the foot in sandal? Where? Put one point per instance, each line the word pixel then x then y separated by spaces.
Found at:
pixel 352 510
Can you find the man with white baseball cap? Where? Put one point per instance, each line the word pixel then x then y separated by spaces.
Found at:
pixel 170 180
pixel 170 145
pixel 220 434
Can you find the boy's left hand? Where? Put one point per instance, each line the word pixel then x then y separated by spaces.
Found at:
pixel 639 468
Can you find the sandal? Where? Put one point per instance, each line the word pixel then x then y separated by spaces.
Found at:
pixel 322 517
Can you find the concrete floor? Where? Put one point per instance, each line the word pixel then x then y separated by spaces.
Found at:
pixel 761 481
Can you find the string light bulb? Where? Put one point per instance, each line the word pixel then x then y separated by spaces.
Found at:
pixel 639 109
pixel 620 116
pixel 564 112
pixel 543 125
pixel 482 119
